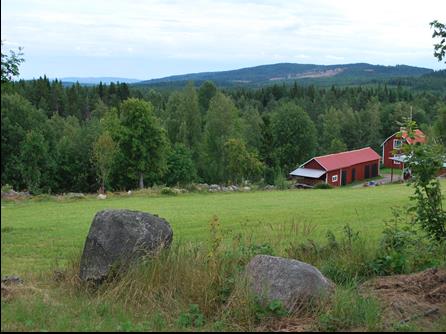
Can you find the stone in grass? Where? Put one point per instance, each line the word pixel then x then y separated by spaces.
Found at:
pixel 291 282
pixel 11 280
pixel 117 237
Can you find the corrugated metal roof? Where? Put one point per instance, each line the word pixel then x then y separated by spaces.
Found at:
pixel 308 172
pixel 346 159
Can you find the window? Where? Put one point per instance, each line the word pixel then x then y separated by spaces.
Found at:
pixel 334 178
pixel 397 143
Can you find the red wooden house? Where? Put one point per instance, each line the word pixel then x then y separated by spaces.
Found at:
pixel 339 169
pixel 393 145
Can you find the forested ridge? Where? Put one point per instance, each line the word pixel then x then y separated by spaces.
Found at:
pixel 58 138
pixel 265 75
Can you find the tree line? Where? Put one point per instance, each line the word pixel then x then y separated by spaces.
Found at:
pixel 60 138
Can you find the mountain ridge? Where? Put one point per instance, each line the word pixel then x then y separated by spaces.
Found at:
pixel 285 72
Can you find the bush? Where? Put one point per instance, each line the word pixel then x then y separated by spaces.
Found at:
pixel 274 309
pixel 168 191
pixel 280 180
pixel 192 318
pixel 344 261
pixel 323 186
pixel 349 310
pixel 6 188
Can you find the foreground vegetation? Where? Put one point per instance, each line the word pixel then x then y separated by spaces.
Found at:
pixel 199 284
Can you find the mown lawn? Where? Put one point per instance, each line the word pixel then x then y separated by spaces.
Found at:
pixel 37 236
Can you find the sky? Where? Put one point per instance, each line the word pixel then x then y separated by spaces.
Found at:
pixel 147 39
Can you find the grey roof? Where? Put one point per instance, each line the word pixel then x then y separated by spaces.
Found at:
pixel 404 158
pixel 400 158
pixel 308 172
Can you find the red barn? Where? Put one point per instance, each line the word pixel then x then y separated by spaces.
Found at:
pixel 339 169
pixel 392 147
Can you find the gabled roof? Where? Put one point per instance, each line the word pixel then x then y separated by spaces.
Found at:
pixel 420 137
pixel 346 159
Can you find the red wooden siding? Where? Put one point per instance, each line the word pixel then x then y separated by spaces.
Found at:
pixel 387 154
pixel 360 173
pixel 359 168
pixel 314 165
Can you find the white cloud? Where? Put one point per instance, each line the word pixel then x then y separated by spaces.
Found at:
pixel 225 32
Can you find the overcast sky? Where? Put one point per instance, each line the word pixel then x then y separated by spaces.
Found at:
pixel 146 39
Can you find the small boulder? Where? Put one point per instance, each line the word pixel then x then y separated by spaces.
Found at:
pixel 101 196
pixel 11 280
pixel 291 282
pixel 75 196
pixel 117 237
pixel 214 188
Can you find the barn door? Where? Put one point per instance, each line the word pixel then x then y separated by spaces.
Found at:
pixel 353 175
pixel 367 171
pixel 374 170
pixel 344 178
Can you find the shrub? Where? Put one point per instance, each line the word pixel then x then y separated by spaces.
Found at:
pixel 192 318
pixel 42 198
pixel 343 261
pixel 168 191
pixel 323 186
pixel 349 310
pixel 424 162
pixel 274 309
pixel 280 180
pixel 6 188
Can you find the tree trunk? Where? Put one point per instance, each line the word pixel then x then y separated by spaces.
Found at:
pixel 141 181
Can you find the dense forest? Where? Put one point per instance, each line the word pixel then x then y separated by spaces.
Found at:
pixel 58 138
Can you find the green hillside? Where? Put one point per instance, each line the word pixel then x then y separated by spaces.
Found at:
pixel 347 74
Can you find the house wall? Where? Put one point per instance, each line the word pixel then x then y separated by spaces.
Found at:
pixel 330 178
pixel 360 173
pixel 314 165
pixel 387 154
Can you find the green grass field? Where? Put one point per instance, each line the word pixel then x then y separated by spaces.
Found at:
pixel 39 235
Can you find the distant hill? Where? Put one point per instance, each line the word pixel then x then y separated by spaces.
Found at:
pixel 347 74
pixel 97 80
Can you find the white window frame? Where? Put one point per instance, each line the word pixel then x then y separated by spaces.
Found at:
pixel 395 146
pixel 334 178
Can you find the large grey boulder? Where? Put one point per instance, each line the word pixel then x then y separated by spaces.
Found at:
pixel 117 237
pixel 292 282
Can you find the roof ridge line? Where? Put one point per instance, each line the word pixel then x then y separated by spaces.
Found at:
pixel 359 149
